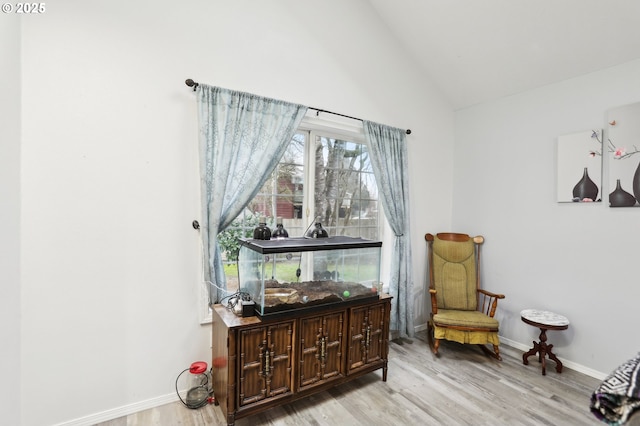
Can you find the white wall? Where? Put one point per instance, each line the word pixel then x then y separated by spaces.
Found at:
pixel 110 263
pixel 579 260
pixel 10 219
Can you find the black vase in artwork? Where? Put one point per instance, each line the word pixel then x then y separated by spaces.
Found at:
pixel 621 198
pixel 636 183
pixel 585 188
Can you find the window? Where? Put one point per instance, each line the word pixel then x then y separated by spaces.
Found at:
pixel 325 176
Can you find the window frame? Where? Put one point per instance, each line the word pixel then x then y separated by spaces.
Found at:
pixel 331 127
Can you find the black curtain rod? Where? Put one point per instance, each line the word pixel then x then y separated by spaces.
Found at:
pixel 189 82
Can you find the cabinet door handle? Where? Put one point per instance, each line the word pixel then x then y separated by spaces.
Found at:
pixel 368 340
pixel 323 348
pixel 267 366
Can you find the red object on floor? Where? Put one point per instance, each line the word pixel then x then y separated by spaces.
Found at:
pixel 198 367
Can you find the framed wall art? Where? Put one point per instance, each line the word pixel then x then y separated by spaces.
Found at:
pixel 580 167
pixel 623 152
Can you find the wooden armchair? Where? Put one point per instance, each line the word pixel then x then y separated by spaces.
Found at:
pixel 460 310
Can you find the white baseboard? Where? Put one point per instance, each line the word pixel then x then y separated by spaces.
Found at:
pixel 420 327
pixel 517 345
pixel 569 364
pixel 121 411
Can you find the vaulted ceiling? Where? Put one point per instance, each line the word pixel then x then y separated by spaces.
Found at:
pixel 479 50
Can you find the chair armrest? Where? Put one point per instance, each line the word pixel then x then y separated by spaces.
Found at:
pixel 434 305
pixel 490 294
pixel 489 301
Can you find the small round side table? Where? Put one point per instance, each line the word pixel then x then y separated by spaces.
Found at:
pixel 544 320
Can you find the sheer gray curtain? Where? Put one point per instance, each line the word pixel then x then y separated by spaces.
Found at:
pixel 388 147
pixel 242 138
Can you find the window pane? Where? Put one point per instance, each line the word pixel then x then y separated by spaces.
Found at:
pixel 280 196
pixel 289 181
pixel 345 193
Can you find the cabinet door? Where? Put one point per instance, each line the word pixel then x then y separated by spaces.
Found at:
pixel 376 349
pixel 265 362
pixel 321 349
pixel 367 341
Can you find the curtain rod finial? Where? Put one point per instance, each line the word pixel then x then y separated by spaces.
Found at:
pixel 189 82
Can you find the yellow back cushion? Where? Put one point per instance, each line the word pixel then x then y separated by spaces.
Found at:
pixel 454 272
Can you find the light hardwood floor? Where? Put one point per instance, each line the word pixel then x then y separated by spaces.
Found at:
pixel 460 387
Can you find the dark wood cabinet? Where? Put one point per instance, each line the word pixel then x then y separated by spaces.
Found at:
pixel 367 339
pixel 322 349
pixel 265 362
pixel 259 363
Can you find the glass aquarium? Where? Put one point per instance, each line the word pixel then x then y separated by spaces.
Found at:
pixel 301 273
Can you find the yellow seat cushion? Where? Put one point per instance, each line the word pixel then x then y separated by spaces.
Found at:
pixel 475 319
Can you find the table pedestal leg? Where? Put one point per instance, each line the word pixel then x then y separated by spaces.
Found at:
pixel 542 349
pixel 555 358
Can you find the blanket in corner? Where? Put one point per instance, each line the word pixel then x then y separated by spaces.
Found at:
pixel 618 396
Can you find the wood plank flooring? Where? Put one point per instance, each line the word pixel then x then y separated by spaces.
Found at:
pixel 460 387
